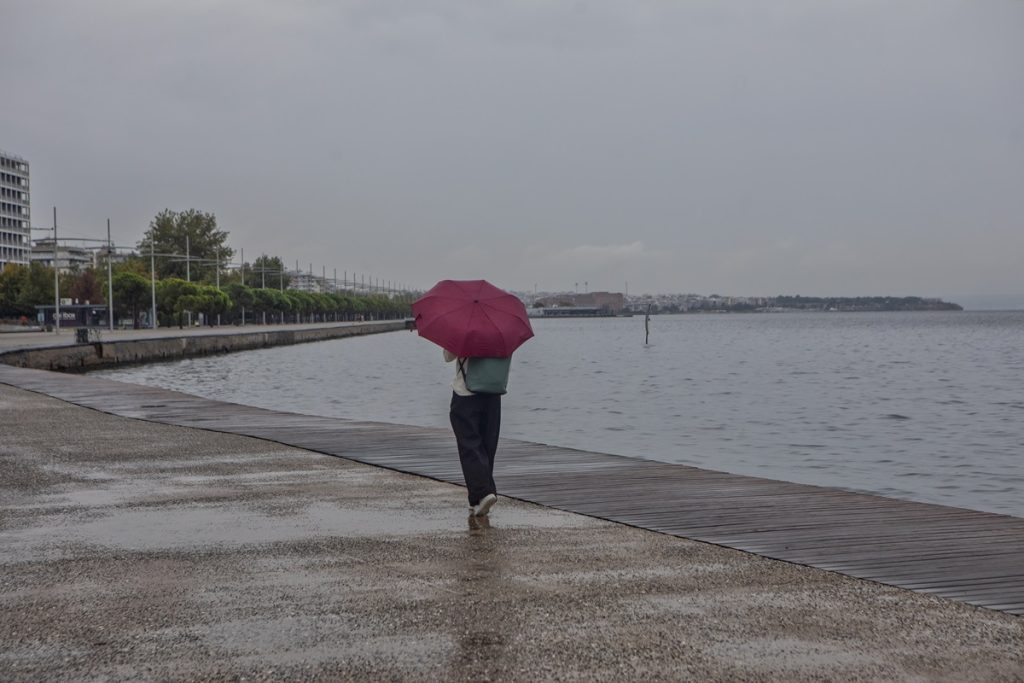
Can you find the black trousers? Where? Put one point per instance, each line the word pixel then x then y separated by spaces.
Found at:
pixel 476 421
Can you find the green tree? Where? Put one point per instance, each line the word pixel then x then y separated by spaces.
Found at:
pixel 37 288
pixel 242 299
pixel 266 271
pixel 282 304
pixel 295 305
pixel 303 305
pixel 169 295
pixel 193 232
pixel 263 301
pixel 131 294
pixel 207 300
pixel 85 286
pixel 12 279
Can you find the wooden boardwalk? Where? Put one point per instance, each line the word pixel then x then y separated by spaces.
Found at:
pixel 971 556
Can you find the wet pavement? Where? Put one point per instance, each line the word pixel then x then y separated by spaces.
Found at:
pixel 131 550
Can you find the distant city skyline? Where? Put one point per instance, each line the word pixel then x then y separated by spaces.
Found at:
pixel 827 149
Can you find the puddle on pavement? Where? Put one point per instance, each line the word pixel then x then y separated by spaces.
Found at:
pixel 193 526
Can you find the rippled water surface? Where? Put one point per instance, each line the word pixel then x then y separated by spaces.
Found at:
pixel 923 406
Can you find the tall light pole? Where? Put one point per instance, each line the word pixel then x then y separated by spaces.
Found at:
pixel 152 285
pixel 56 278
pixel 241 252
pixel 188 273
pixel 217 277
pixel 110 279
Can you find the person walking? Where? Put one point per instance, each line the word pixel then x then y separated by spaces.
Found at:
pixel 478 326
pixel 476 421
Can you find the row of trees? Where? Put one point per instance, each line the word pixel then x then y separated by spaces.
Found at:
pixel 189 285
pixel 238 302
pixel 22 288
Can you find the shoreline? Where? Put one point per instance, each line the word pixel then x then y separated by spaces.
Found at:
pixel 43 352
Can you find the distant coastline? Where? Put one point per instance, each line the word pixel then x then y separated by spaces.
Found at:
pixel 611 304
pixel 848 304
pixel 791 303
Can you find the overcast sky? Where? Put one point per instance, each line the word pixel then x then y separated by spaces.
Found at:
pixel 749 147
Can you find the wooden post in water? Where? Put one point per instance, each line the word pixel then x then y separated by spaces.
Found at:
pixel 647 326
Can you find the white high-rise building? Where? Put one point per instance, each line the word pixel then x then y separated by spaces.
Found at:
pixel 15 217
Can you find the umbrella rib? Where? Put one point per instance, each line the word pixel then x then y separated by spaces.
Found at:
pixel 453 311
pixel 483 309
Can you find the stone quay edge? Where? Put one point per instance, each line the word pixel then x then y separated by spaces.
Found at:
pixel 143 346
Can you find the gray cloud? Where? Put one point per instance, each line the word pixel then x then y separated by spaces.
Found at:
pixel 746 148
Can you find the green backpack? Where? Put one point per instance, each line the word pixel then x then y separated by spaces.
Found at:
pixel 486 375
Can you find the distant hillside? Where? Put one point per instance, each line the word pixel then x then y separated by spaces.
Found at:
pixel 862 303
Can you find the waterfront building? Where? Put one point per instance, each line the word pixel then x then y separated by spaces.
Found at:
pixel 68 258
pixel 610 302
pixel 305 282
pixel 15 214
pixel 99 256
pixel 571 312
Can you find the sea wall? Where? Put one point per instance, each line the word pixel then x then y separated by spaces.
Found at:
pixel 78 357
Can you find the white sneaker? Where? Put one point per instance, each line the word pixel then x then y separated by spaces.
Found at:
pixel 484 506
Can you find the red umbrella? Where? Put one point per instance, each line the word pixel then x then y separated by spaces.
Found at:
pixel 472 318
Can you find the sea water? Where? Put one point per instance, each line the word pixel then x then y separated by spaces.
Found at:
pixel 922 406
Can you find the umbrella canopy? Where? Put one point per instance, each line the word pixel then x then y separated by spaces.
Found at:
pixel 472 318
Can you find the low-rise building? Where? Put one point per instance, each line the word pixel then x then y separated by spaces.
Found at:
pixel 612 302
pixel 305 282
pixel 68 258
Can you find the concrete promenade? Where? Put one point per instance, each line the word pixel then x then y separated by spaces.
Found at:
pixel 138 551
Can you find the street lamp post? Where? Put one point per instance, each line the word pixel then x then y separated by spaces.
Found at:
pixel 188 274
pixel 217 277
pixel 152 285
pixel 56 278
pixel 110 280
